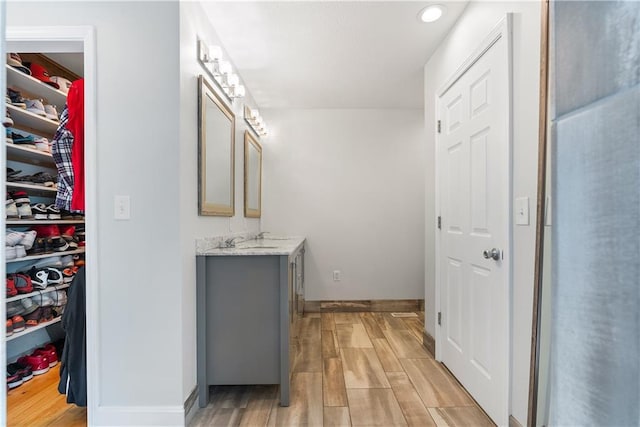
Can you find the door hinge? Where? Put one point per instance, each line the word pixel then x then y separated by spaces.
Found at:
pixel 439 223
pixel 439 126
pixel 439 318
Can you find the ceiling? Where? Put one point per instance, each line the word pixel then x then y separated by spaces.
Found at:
pixel 330 54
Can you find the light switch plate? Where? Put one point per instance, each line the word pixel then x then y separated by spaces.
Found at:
pixel 522 211
pixel 121 207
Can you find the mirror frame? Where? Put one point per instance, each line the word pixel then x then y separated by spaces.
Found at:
pixel 251 142
pixel 540 215
pixel 205 90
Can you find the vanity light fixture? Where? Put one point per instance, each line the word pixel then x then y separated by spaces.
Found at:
pixel 222 72
pixel 255 121
pixel 431 13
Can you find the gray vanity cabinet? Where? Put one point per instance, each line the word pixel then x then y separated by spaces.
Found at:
pixel 247 312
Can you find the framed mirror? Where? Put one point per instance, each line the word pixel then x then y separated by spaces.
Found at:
pixel 252 176
pixel 216 153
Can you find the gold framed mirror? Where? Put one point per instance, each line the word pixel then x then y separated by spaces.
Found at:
pixel 252 176
pixel 216 153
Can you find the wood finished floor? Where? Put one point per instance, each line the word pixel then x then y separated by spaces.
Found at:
pixel 352 369
pixel 37 403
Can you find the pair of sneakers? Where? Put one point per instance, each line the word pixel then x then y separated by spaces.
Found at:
pixel 18 373
pixel 15 324
pixel 41 278
pixel 18 243
pixel 42 211
pixel 18 205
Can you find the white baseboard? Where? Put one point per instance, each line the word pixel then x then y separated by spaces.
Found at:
pixel 138 416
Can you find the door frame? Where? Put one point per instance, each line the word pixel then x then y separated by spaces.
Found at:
pixel 77 39
pixel 502 30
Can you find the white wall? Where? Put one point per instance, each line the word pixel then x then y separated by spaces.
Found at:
pixel 137 150
pixel 352 182
pixel 474 24
pixel 193 25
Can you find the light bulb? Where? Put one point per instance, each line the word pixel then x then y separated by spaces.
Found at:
pixel 431 13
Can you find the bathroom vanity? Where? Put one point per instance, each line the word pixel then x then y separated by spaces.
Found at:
pixel 248 300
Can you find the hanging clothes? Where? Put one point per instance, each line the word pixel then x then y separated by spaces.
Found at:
pixel 61 150
pixel 75 102
pixel 73 367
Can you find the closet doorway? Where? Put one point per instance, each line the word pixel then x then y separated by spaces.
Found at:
pixel 65 46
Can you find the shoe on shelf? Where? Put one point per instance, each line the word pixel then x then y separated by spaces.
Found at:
pixel 42 144
pixel 14 307
pixel 34 318
pixel 13 237
pixel 12 172
pixel 16 98
pixel 40 178
pixel 51 112
pixel 39 247
pixel 26 140
pixel 47 314
pixel 28 239
pixel 49 353
pixel 21 252
pixel 9 327
pixel 8 136
pixel 22 369
pixel 59 244
pixel 18 323
pixel 67 261
pixel 54 276
pixel 13 379
pixel 10 253
pixel 11 210
pixel 49 230
pixel 29 307
pixel 24 210
pixel 22 283
pixel 8 121
pixel 11 287
pixel 53 212
pixel 20 196
pixel 35 106
pixel 53 261
pixel 39 278
pixel 39 364
pixel 39 211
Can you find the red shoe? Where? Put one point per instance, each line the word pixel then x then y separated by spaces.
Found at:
pixel 49 354
pixel 9 327
pixel 39 364
pixel 18 323
pixel 68 231
pixel 11 287
pixel 47 230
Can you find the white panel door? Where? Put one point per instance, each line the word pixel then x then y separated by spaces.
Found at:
pixel 473 176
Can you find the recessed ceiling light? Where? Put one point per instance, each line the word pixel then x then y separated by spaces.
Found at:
pixel 431 13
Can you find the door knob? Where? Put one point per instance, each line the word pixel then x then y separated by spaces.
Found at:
pixel 492 254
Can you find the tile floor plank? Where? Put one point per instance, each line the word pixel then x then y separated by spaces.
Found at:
pixel 305 404
pixel 309 357
pixel 333 388
pixel 374 407
pixel 405 344
pixel 329 344
pixel 258 408
pixel 386 355
pixel 353 336
pixel 436 387
pixel 412 407
pixel 336 416
pixel 416 326
pixel 362 369
pixel 371 325
pixel 328 324
pixel 459 417
pixel 348 318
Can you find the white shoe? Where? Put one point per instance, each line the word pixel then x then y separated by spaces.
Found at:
pixel 13 237
pixel 21 252
pixel 10 252
pixel 28 239
pixel 35 106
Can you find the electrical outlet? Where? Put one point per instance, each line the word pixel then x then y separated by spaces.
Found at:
pixel 336 275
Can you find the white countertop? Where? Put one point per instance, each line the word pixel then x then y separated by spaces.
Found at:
pixel 269 245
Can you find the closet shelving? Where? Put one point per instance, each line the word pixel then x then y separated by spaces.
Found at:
pixel 27 121
pixel 32 257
